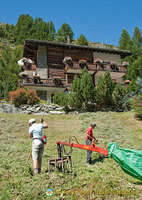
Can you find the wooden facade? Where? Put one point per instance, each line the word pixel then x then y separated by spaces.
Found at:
pixel 48 59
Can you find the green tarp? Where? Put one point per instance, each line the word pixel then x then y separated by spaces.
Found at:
pixel 130 160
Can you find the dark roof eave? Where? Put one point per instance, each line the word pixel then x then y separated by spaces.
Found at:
pixel 121 52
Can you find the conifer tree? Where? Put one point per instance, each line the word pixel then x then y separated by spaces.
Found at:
pixel 118 96
pixel 76 99
pixel 82 40
pixel 9 71
pixel 125 40
pixel 87 88
pixel 52 31
pixel 40 29
pixel 23 28
pixel 104 90
pixel 64 32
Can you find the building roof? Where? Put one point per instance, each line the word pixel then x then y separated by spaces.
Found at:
pixel 74 46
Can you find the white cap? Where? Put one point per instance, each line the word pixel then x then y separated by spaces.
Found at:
pixel 32 120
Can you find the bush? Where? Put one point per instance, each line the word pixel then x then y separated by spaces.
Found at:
pixel 23 96
pixel 119 97
pixel 136 104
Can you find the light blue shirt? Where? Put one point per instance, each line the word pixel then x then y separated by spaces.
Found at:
pixel 36 130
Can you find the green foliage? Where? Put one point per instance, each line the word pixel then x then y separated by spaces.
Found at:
pixel 82 92
pixel 133 44
pixel 135 69
pixel 135 87
pixel 60 99
pixel 9 71
pixel 87 88
pixel 76 99
pixel 52 31
pixel 125 40
pixel 40 29
pixel 23 28
pixel 64 32
pixel 23 96
pixel 82 40
pixel 104 90
pixel 119 98
pixel 136 104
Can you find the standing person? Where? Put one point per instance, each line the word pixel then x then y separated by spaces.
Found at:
pixel 35 132
pixel 89 139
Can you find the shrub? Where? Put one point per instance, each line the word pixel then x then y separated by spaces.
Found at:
pixel 118 97
pixel 136 104
pixel 60 99
pixel 23 96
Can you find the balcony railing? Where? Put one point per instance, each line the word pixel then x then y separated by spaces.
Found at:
pixel 50 82
pixel 96 67
pixel 111 68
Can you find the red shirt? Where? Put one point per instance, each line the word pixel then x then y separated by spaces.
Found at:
pixel 89 131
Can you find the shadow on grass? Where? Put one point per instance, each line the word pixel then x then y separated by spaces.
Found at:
pixel 100 159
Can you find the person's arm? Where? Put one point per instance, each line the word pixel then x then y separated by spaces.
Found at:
pixel 89 136
pixel 92 138
pixel 44 123
pixel 30 135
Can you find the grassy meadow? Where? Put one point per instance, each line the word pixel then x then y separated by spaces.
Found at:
pixel 104 179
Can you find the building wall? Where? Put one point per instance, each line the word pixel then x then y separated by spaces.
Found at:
pixel 42 62
pixel 107 57
pixel 46 93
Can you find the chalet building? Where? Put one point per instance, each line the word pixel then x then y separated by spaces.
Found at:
pixel 49 75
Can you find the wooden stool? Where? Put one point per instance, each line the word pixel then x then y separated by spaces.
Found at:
pixel 60 161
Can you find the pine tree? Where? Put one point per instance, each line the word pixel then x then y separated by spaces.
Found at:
pixel 40 29
pixel 136 43
pixel 9 71
pixel 23 28
pixel 87 88
pixel 109 88
pixel 135 69
pixel 82 40
pixel 125 40
pixel 118 96
pixel 104 90
pixel 64 32
pixel 52 31
pixel 76 99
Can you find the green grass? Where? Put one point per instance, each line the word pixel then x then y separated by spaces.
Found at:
pixel 102 180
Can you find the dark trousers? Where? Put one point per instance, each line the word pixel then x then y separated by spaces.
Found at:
pixel 89 153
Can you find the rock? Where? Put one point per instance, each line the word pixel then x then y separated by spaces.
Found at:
pixel 57 112
pixel 60 108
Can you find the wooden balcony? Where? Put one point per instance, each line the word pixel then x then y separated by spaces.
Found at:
pixel 50 82
pixel 76 68
pixel 119 69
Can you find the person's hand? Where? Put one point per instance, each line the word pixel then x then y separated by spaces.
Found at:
pixel 93 140
pixel 41 120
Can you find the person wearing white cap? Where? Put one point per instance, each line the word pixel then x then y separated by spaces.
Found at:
pixel 35 132
pixel 89 139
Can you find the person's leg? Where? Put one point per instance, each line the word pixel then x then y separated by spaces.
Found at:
pixel 89 153
pixel 39 165
pixel 35 151
pixel 40 157
pixel 35 166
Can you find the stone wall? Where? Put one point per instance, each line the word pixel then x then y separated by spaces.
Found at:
pixel 38 109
